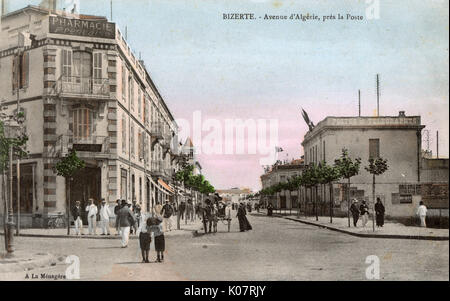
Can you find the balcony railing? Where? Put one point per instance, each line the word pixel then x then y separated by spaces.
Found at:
pixel 157 130
pixel 95 144
pixel 81 86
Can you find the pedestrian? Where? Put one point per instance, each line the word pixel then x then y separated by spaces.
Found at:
pixel 136 209
pixel 116 213
pixel 269 209
pixel 190 211
pixel 145 237
pixel 422 213
pixel 379 211
pixel 244 224
pixel 158 235
pixel 167 212
pixel 257 207
pixel 182 209
pixel 214 217
pixel 206 215
pixel 104 218
pixel 355 212
pixel 126 220
pixel 92 211
pixel 78 222
pixel 364 212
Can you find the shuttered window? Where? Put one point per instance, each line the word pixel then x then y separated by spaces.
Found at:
pixel 374 148
pixel 20 71
pixel 124 134
pixel 82 123
pixel 132 140
pixel 66 65
pixel 97 68
pixel 124 83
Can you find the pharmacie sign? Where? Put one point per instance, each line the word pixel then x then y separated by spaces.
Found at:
pixel 86 28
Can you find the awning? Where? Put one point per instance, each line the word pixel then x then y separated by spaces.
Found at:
pixel 165 185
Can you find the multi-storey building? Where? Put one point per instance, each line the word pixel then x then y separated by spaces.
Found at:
pixel 81 87
pixel 398 139
pixel 281 173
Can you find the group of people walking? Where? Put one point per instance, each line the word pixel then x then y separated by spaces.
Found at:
pixel 362 211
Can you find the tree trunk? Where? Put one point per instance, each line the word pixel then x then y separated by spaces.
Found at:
pixel 373 205
pixel 68 206
pixel 348 202
pixel 331 203
pixel 316 202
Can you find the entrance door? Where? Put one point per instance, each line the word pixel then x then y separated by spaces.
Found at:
pixel 86 184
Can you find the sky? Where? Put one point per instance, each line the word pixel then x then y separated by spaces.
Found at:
pixel 269 69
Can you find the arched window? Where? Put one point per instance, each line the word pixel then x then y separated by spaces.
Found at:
pixel 82 123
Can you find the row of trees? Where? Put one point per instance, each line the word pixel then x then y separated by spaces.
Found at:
pixel 196 182
pixel 324 174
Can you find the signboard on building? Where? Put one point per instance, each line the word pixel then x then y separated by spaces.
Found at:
pixel 435 196
pixel 85 28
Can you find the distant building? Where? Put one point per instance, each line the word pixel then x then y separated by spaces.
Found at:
pixel 281 173
pixel 395 138
pixel 188 150
pixel 234 195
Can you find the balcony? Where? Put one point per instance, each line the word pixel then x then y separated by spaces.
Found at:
pixel 73 86
pixel 91 144
pixel 157 168
pixel 157 130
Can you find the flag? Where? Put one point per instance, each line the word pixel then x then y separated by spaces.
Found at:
pixel 278 149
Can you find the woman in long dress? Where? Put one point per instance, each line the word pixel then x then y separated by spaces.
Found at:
pixel 379 211
pixel 244 224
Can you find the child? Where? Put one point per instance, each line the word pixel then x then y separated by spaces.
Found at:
pixel 156 228
pixel 145 237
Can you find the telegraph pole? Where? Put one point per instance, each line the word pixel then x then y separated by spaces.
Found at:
pixel 378 95
pixel 359 103
pixel 437 144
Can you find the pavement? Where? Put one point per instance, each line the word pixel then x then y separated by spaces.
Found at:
pixel 276 249
pixel 62 233
pixel 26 261
pixel 389 230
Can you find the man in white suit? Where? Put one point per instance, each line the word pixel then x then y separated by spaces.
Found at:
pixel 104 218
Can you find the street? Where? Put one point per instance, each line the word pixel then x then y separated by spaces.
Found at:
pixel 276 249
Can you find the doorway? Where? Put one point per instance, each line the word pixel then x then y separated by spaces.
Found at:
pixel 86 184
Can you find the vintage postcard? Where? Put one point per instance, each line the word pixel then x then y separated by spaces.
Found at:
pixel 214 140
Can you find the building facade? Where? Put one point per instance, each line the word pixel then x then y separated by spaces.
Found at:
pixel 81 88
pixel 281 173
pixel 395 138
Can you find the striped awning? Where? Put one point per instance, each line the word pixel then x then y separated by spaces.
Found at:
pixel 165 186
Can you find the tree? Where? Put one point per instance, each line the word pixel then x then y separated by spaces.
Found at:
pixel 347 169
pixel 310 180
pixel 67 167
pixel 11 145
pixel 376 167
pixel 327 175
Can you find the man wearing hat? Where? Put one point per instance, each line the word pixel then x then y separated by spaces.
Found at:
pixel 355 211
pixel 76 213
pixel 126 220
pixel 92 211
pixel 104 218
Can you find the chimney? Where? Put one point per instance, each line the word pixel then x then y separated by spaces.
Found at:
pixel 401 114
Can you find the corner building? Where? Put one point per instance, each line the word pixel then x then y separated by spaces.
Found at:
pixel 81 87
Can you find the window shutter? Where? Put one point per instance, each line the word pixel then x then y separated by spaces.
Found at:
pixel 25 70
pixel 14 74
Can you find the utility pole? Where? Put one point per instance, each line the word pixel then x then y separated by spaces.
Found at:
pixel 437 144
pixel 19 58
pixel 111 7
pixel 359 103
pixel 378 95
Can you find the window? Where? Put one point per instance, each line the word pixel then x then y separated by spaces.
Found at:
pixel 20 71
pixel 66 63
pixel 139 101
pixel 374 148
pixel 124 83
pixel 131 92
pixel 97 68
pixel 132 140
pixel 82 123
pixel 124 134
pixel 82 65
pixel 140 189
pixel 140 145
pixel 145 110
pixel 133 188
pixel 123 184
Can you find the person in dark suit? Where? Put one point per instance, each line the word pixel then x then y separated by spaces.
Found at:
pixel 355 211
pixel 244 224
pixel 76 213
pixel 126 221
pixel 379 213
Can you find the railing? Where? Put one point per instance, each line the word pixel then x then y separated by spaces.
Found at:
pixel 157 129
pixel 74 85
pixel 98 144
